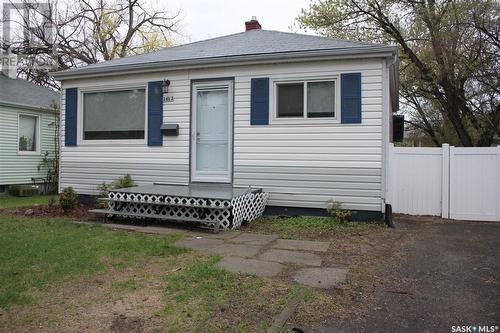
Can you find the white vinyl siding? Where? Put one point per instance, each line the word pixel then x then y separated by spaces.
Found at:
pixel 301 165
pixel 16 168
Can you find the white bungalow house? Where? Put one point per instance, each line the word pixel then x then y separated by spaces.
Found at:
pixel 27 130
pixel 304 118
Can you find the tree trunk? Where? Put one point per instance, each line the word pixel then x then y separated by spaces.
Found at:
pixel 451 106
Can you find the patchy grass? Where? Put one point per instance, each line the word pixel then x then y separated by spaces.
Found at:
pixel 306 227
pixel 129 284
pixel 205 298
pixel 184 293
pixel 8 201
pixel 192 294
pixel 37 252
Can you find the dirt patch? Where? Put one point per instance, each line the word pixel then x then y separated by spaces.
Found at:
pixel 123 323
pixel 249 311
pixel 363 253
pixel 101 303
pixel 81 212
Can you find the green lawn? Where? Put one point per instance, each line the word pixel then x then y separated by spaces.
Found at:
pixel 305 227
pixel 8 201
pixel 37 252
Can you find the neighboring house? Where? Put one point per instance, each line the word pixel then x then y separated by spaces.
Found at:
pixel 306 118
pixel 27 119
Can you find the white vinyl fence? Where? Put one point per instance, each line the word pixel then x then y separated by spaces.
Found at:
pixel 451 182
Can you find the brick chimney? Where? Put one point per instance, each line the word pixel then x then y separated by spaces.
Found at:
pixel 252 24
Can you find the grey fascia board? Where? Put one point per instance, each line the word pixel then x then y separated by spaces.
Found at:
pixel 27 107
pixel 362 52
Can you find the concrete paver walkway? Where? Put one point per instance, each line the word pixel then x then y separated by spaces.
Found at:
pixel 292 244
pixel 266 256
pixel 294 257
pixel 251 266
pixel 258 254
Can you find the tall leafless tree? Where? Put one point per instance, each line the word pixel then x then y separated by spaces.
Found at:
pixel 450 54
pixel 59 35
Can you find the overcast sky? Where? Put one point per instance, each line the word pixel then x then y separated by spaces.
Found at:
pixel 212 18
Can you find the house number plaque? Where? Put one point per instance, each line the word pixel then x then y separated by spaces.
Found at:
pixel 168 99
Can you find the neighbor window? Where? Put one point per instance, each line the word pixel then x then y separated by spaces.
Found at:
pixel 307 99
pixel 28 133
pixel 112 115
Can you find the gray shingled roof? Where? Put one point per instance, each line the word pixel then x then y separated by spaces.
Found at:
pixel 22 93
pixel 260 43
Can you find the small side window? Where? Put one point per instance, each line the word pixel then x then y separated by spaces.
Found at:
pixel 299 100
pixel 28 133
pixel 290 100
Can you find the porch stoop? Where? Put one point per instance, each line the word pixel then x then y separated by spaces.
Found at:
pixel 211 205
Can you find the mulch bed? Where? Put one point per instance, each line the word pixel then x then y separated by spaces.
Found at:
pixel 79 213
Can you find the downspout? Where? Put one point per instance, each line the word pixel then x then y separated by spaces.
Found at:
pixel 391 83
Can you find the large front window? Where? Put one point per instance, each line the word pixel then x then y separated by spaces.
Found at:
pixel 110 115
pixel 28 134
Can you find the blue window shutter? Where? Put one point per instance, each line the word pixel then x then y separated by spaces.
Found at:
pixel 350 100
pixel 155 113
pixel 259 101
pixel 70 117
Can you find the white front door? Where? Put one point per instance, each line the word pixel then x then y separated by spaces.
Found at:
pixel 211 132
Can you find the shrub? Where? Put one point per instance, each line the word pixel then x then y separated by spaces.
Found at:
pixel 122 182
pixel 68 199
pixel 52 201
pixel 335 210
pixel 103 190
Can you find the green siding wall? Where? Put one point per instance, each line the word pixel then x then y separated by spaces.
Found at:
pixel 15 168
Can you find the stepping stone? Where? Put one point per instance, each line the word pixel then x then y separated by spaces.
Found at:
pixel 292 244
pixel 121 226
pixel 251 266
pixel 295 257
pixel 324 277
pixel 200 244
pixel 236 250
pixel 253 239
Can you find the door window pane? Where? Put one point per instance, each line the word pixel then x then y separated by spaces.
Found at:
pixel 290 100
pixel 114 115
pixel 27 133
pixel 321 99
